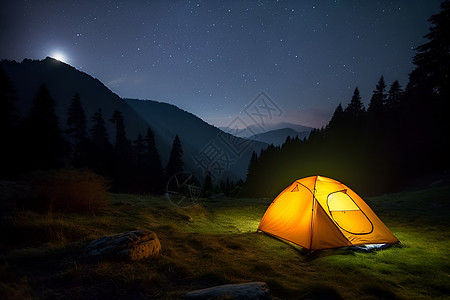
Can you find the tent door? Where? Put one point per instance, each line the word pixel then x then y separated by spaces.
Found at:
pixel 347 215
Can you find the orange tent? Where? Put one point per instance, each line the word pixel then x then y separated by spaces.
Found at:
pixel 321 213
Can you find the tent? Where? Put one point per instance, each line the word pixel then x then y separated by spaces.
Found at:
pixel 320 213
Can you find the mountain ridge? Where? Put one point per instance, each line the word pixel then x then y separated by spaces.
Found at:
pixel 197 136
pixel 254 130
pixel 278 136
pixel 167 120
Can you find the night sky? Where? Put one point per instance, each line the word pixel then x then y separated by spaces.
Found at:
pixel 212 58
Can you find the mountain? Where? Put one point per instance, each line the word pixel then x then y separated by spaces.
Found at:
pixel 278 136
pixel 296 127
pixel 254 130
pixel 203 144
pixel 63 81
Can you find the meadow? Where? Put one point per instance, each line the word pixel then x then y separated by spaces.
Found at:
pixel 215 242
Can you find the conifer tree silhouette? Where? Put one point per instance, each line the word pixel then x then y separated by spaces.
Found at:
pixel 45 148
pixel 426 104
pixel 7 109
pixel 99 133
pixel 402 137
pixel 395 94
pixel 139 150
pixel 175 163
pixel 77 131
pixel 208 187
pixel 100 151
pixel 140 168
pixel 8 128
pixel 153 162
pixel 123 166
pixel 432 75
pixel 337 118
pixel 147 171
pixel 355 108
pixel 252 164
pixel 378 98
pixel 123 145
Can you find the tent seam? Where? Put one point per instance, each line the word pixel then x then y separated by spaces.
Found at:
pixel 313 212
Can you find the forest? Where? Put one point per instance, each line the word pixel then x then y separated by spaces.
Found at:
pixel 36 142
pixel 70 179
pixel 399 141
pixel 37 146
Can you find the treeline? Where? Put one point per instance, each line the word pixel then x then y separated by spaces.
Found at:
pixel 400 140
pixel 37 142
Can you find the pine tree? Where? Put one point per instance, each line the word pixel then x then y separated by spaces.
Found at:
pixel 337 118
pixel 394 95
pixel 45 146
pixel 432 75
pixel 7 109
pixel 100 151
pixel 153 161
pixel 175 163
pixel 355 108
pixel 76 120
pixel 139 150
pixel 426 104
pixel 252 165
pixel 123 145
pixel 8 128
pixel 99 133
pixel 123 165
pixel 253 176
pixel 208 187
pixel 379 98
pixel 139 168
pixel 147 171
pixel 77 131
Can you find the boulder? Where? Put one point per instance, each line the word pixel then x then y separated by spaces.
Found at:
pixel 135 245
pixel 251 290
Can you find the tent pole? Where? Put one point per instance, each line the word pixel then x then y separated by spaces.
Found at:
pixel 313 212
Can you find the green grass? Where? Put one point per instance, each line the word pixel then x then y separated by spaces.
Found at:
pixel 216 243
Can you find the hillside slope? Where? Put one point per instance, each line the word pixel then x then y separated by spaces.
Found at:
pixel 202 143
pixel 198 138
pixel 63 81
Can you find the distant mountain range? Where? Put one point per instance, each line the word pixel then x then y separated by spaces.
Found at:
pixel 275 134
pixel 278 136
pixel 204 146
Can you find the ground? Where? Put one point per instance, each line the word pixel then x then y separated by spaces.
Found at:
pixel 215 242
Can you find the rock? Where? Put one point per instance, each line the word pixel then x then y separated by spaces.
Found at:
pixel 251 290
pixel 135 245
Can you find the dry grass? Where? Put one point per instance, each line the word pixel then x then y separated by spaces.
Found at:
pixel 12 287
pixel 68 191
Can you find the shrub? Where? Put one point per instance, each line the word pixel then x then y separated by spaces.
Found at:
pixel 12 287
pixel 69 191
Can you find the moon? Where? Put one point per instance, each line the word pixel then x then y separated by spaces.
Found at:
pixel 60 56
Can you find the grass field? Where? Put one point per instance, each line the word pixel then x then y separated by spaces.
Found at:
pixel 215 243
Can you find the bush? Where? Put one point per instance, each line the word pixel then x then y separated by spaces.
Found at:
pixel 12 287
pixel 69 191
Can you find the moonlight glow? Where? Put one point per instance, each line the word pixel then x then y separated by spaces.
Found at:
pixel 59 56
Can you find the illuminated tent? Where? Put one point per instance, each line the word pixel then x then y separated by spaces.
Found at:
pixel 321 213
